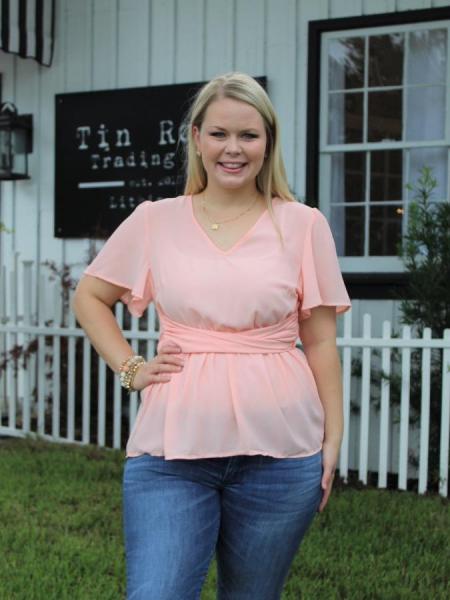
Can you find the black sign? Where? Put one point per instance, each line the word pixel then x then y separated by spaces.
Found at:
pixel 115 149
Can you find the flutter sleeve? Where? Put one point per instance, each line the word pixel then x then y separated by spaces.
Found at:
pixel 320 282
pixel 124 260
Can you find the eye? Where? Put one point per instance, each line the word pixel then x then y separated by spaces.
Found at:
pixel 217 133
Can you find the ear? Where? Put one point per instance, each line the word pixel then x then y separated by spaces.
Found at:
pixel 196 135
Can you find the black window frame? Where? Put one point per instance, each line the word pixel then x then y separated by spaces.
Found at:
pixel 360 285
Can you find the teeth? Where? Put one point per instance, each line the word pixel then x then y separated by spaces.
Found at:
pixel 232 165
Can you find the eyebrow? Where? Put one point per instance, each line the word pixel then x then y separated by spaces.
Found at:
pixel 222 129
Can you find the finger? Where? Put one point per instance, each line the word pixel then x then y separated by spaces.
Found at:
pixel 324 500
pixel 158 371
pixel 161 359
pixel 156 377
pixel 170 347
pixel 142 380
pixel 171 359
pixel 327 478
pixel 172 366
pixel 326 493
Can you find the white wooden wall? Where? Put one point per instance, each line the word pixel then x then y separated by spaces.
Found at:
pixel 104 44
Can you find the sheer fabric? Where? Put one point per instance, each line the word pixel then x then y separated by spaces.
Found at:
pixel 244 388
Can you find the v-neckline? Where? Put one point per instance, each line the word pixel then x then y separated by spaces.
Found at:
pixel 242 239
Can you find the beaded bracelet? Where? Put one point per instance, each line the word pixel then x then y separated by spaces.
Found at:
pixel 128 369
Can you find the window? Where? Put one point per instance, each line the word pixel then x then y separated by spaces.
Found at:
pixel 384 113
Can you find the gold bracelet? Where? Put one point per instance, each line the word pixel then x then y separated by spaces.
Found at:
pixel 128 362
pixel 133 371
pixel 128 380
pixel 128 370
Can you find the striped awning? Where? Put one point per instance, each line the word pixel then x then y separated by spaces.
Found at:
pixel 27 28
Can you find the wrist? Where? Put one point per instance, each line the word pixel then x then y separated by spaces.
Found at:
pixel 128 370
pixel 333 440
pixel 133 388
pixel 119 363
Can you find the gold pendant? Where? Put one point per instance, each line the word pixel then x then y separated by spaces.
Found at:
pixel 214 226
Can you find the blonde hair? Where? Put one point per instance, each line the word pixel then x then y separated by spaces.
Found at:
pixel 271 180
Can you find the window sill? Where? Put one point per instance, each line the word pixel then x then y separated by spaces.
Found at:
pixel 376 286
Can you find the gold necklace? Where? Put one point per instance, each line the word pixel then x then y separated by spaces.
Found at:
pixel 215 224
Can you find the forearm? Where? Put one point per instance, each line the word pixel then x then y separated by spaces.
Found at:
pixel 323 359
pixel 100 325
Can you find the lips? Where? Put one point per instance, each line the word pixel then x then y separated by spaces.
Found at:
pixel 232 167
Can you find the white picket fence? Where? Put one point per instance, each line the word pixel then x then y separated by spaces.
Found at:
pixel 65 385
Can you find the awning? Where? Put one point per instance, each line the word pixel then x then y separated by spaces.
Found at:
pixel 27 28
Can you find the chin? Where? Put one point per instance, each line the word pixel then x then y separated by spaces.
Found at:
pixel 230 183
pixel 234 185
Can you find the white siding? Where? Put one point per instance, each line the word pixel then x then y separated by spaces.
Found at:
pixel 103 44
pixel 219 37
pixel 162 42
pixel 307 11
pixel 371 7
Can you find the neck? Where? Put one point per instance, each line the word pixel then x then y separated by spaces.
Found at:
pixel 224 199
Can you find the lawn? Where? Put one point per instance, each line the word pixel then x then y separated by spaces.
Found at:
pixel 61 534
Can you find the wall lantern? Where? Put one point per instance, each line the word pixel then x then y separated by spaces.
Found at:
pixel 16 142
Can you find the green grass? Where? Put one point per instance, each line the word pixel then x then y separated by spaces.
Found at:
pixel 61 534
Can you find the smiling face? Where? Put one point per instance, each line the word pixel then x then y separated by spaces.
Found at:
pixel 232 140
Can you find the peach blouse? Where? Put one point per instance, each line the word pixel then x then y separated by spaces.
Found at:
pixel 245 388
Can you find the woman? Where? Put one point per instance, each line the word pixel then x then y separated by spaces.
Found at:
pixel 236 440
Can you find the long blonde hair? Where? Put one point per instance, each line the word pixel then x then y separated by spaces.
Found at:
pixel 271 180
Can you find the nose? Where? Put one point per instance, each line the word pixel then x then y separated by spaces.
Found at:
pixel 233 146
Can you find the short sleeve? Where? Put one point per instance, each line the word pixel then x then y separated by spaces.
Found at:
pixel 124 260
pixel 320 282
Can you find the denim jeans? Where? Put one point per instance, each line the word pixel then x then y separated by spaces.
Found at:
pixel 252 511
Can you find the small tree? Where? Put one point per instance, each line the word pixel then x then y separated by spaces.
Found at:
pixel 425 302
pixel 425 251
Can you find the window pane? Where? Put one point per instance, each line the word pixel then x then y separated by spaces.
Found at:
pixel 431 157
pixel 345 118
pixel 348 174
pixel 425 124
pixel 386 59
pixel 345 63
pixel 348 229
pixel 385 230
pixel 385 116
pixel 427 61
pixel 386 175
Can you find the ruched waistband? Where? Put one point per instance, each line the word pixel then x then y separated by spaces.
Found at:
pixel 279 337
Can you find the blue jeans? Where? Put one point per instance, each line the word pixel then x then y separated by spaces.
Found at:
pixel 253 511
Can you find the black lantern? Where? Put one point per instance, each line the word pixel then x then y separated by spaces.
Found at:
pixel 16 142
